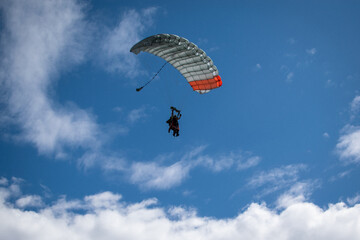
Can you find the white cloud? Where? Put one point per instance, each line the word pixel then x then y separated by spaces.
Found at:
pixel 248 163
pixel 158 175
pixel 118 42
pixel 355 105
pixel 29 201
pixel 276 179
pixel 137 114
pixel 11 188
pixel 354 200
pixel 213 49
pixel 63 206
pixel 290 55
pixel 105 200
pixel 152 175
pixel 257 67
pixel 238 160
pixel 118 109
pixel 3 181
pixel 38 40
pixel 299 192
pixel 348 146
pixel 291 41
pixel 311 51
pixel 330 83
pixel 340 175
pixel 46 191
pixel 146 220
pixel 326 135
pixel 106 161
pixel 279 175
pixel 284 68
pixel 289 77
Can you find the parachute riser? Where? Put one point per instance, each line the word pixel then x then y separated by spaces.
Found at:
pixel 140 88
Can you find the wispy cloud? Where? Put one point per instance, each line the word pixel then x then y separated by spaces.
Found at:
pixel 290 55
pixel 29 201
pixel 353 200
pixel 40 39
pixel 276 179
pixel 340 175
pixel 104 160
pixel 46 191
pixel 291 41
pixel 279 175
pixel 355 106
pixel 107 215
pixel 248 162
pixel 330 83
pixel 10 188
pixel 118 109
pixel 159 175
pixel 104 200
pixel 238 160
pixel 257 67
pixel 153 175
pixel 3 181
pixel 137 114
pixel 311 51
pixel 118 41
pixel 289 77
pixel 348 146
pixel 299 192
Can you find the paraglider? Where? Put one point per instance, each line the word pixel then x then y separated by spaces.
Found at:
pixel 191 61
pixel 174 121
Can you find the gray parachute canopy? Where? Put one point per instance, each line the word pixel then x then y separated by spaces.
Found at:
pixel 191 61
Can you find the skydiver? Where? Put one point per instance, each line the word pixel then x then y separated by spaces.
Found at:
pixel 173 122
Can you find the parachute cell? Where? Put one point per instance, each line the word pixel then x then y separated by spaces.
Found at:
pixel 191 61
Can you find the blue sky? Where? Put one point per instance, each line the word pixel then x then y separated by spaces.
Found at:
pixel 84 155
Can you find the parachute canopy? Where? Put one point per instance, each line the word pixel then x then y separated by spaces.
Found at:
pixel 191 61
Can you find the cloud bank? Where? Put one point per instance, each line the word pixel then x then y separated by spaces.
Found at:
pixel 107 216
